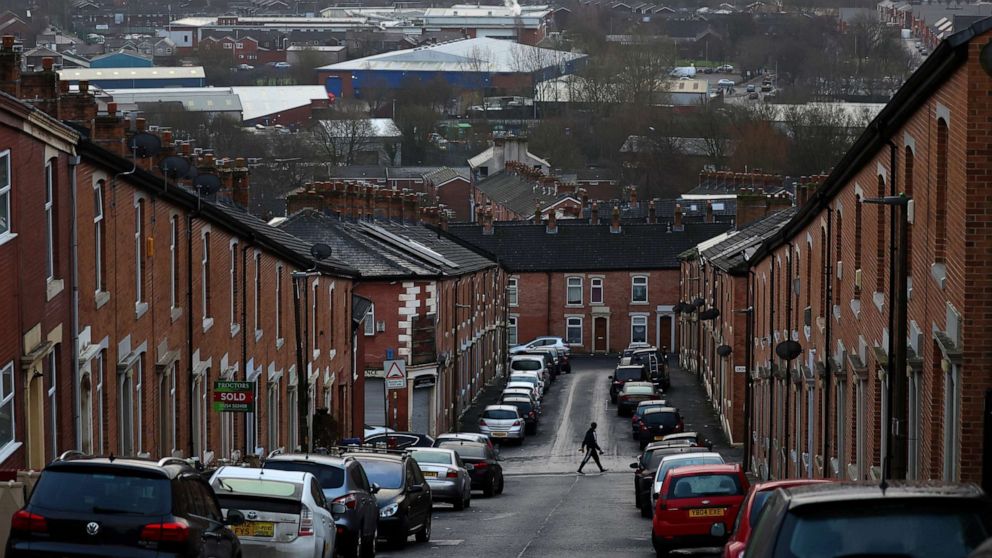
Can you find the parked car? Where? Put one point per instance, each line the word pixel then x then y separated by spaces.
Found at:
pixel 725 69
pixel 657 369
pixel 753 502
pixel 531 387
pixel 404 497
pixel 753 95
pixel 913 519
pixel 558 355
pixel 537 364
pixel 482 464
pixel 635 417
pixel 646 467
pixel 343 481
pixel 245 67
pixel 554 361
pixel 696 505
pixel 502 422
pixel 400 440
pixel 282 65
pixel 635 346
pixel 546 341
pixel 624 374
pixel 670 462
pixel 286 511
pixel 751 88
pixel 467 436
pixel 82 505
pixel 633 393
pixel 658 422
pixel 527 392
pixel 373 430
pixel 529 377
pixel 696 438
pixel 527 409
pixel 447 475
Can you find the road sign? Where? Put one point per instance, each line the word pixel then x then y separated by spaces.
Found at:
pixel 234 397
pixel 395 374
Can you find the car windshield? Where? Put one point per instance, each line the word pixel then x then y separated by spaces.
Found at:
pixel 499 414
pixel 387 474
pixel 523 406
pixel 700 486
pixel 685 461
pixel 663 419
pixel 627 374
pixel 469 451
pixel 642 408
pixel 328 476
pixel 257 487
pixel 901 529
pixel 526 364
pixel 435 457
pixel 639 390
pixel 89 492
pixel 529 379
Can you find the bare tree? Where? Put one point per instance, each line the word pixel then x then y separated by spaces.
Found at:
pixel 342 139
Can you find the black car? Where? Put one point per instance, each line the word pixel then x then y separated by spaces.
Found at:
pixel 404 497
pixel 528 410
pixel 343 481
pixel 106 506
pixel 482 464
pixel 647 465
pixel 400 440
pixel 909 519
pixel 659 422
pixel 624 374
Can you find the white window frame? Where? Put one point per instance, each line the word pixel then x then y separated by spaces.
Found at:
pixel 53 408
pixel 512 293
pixel 174 262
pixel 8 397
pixel 98 235
pixel 633 289
pixel 573 282
pixel 644 320
pixel 125 413
pixel 511 331
pixel 596 284
pixel 258 294
pixel 952 418
pixel 574 322
pixel 233 287
pixel 139 252
pixel 168 390
pixel 272 414
pixel 6 229
pixel 278 312
pixel 370 321
pixel 49 221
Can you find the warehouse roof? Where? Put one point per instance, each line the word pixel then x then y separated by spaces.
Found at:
pixel 155 72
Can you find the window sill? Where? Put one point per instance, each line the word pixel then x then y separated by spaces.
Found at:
pixel 101 298
pixel 176 313
pixel 207 324
pixel 7 237
pixel 574 305
pixel 235 329
pixel 10 448
pixel 316 354
pixel 258 334
pixel 639 303
pixel 939 273
pixel 140 308
pixel 878 298
pixel 280 342
pixel 53 288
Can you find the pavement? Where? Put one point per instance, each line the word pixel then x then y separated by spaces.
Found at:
pixel 549 510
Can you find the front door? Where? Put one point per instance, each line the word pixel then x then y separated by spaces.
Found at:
pixel 600 335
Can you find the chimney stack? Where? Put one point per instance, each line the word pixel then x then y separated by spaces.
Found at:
pixel 594 214
pixel 10 68
pixel 615 220
pixel 633 196
pixel 652 213
pixel 487 221
pixel 709 212
pixel 537 212
pixel 677 225
pixel 443 220
pixel 552 222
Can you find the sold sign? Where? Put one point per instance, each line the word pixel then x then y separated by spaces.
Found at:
pixel 234 397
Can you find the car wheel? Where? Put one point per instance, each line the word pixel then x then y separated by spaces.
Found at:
pixel 490 488
pixel 424 534
pixel 369 549
pixel 660 550
pixel 459 504
pixel 499 489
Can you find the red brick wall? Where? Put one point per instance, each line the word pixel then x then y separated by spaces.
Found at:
pixel 456 194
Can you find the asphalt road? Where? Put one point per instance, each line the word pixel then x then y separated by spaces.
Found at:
pixel 549 510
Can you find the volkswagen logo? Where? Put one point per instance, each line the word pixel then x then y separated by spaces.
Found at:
pixel 92 528
pixel 252 515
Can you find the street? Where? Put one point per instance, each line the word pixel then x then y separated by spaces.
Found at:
pixel 548 509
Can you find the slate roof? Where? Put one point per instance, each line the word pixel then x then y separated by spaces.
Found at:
pixel 729 253
pixel 515 193
pixel 579 246
pixel 444 174
pixel 718 186
pixel 692 210
pixel 468 260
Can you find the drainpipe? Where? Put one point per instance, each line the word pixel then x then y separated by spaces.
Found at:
pixel 547 326
pixel 771 377
pixel 189 330
pixel 749 362
pixel 828 309
pixel 74 161
pixel 244 337
pixel 788 364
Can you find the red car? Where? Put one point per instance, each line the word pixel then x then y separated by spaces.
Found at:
pixel 753 503
pixel 696 505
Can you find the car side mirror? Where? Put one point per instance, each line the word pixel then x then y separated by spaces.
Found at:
pixel 415 488
pixel 338 508
pixel 375 488
pixel 234 517
pixel 718 530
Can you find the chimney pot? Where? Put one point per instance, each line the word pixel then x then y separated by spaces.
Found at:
pixel 167 137
pixel 709 212
pixel 615 220
pixel 552 222
pixel 8 42
pixel 677 226
pixel 47 63
pixel 652 213
pixel 138 123
pixel 111 109
pixel 594 213
pixel 84 87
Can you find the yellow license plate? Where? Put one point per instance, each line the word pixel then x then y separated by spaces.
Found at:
pixel 706 512
pixel 255 529
pixel 430 474
pixel 499 434
pixel 656 438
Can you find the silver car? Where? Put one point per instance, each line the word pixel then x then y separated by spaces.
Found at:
pixel 535 391
pixel 502 422
pixel 556 342
pixel 447 475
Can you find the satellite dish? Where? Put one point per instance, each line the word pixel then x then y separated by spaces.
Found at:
pixel 174 166
pixel 711 314
pixel 191 173
pixel 145 144
pixel 724 350
pixel 788 350
pixel 699 302
pixel 207 183
pixel 320 251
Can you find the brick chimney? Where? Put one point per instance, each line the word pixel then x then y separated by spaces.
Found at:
pixel 240 191
pixel 10 68
pixel 615 220
pixel 709 212
pixel 652 213
pixel 677 224
pixel 537 212
pixel 752 206
pixel 552 222
pixel 479 210
pixel 443 220
pixel 633 196
pixel 487 221
pixel 594 214
pixel 109 131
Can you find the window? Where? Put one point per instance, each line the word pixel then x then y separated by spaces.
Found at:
pixel 511 292
pixel 125 399
pixel 139 251
pixel 278 303
pixel 908 189
pixel 174 262
pixel 841 428
pixel 258 294
pixel 330 330
pixel 638 329
pixel 84 410
pixel 99 365
pixel 880 255
pixel 596 291
pixel 272 409
pixel 574 291
pixel 5 216
pixel 952 418
pixel 51 377
pixel 639 289
pixel 370 321
pixel 167 412
pixel 226 435
pixel 233 278
pixel 511 331
pixel 862 431
pixel 205 278
pixel 857 242
pixel 940 214
pixel 99 239
pixel 199 417
pixel 839 254
pixel 913 428
pixel 294 424
pixel 50 221
pixel 573 331
pixel 315 333
pixel 7 404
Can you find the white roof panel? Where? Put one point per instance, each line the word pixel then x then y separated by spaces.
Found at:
pixel 259 101
pixel 155 72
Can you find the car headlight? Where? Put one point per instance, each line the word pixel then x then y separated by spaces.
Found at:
pixel 390 510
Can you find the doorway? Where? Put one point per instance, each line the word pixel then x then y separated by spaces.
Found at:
pixel 600 334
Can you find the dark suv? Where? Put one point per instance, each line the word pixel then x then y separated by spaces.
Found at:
pixel 482 463
pixel 404 497
pixel 104 506
pixel 343 481
pixel 906 519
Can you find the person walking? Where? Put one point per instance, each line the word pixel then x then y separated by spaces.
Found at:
pixel 592 449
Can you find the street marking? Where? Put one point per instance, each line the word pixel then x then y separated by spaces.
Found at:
pixel 561 441
pixel 451 542
pixel 548 517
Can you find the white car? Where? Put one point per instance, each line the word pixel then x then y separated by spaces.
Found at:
pixel 535 391
pixel 285 512
pixel 725 82
pixel 282 65
pixel 374 430
pixel 529 363
pixel 670 462
pixel 556 342
pixel 528 377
